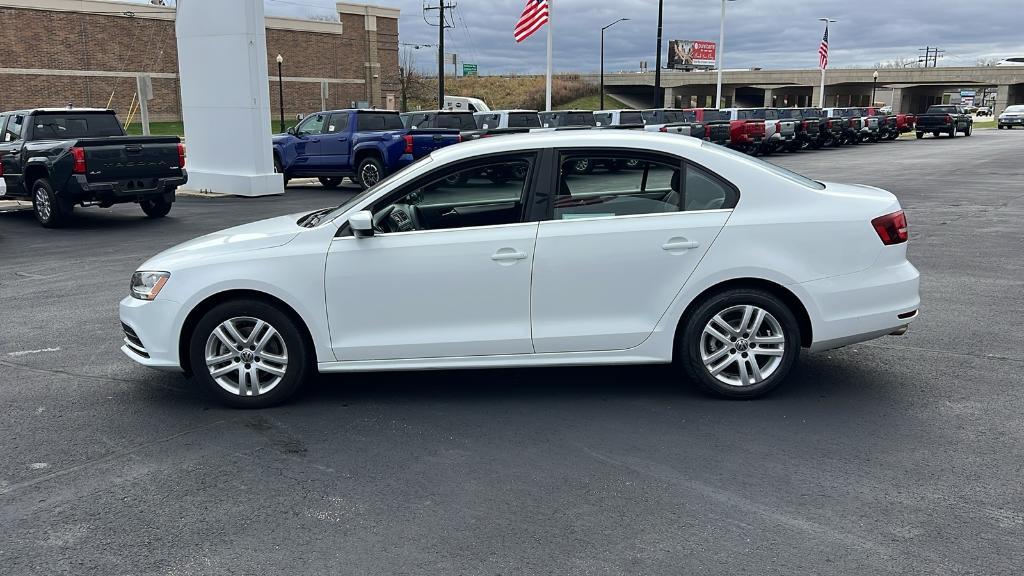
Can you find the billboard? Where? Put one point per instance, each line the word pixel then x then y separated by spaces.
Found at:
pixel 691 54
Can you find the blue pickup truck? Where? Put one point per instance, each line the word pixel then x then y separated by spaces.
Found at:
pixel 364 145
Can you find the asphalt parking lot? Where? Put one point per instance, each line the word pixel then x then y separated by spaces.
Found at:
pixel 900 456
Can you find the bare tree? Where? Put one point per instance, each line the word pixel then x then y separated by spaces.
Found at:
pixel 987 61
pixel 898 63
pixel 411 83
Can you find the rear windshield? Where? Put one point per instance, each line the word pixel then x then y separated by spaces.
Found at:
pixel 523 120
pixel 631 118
pixel 579 119
pixel 791 113
pixel 811 112
pixel 370 121
pixel 64 126
pixel 751 114
pixel 858 112
pixel 942 110
pixel 715 116
pixel 458 121
pixel 777 170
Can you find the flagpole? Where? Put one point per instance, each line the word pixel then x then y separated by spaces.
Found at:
pixel 821 96
pixel 547 80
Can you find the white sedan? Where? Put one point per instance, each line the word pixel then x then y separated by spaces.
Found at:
pixel 494 253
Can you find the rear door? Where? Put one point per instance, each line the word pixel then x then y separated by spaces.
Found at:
pixel 335 146
pixel 618 246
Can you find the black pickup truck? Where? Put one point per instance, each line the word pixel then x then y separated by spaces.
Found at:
pixel 944 119
pixel 59 157
pixel 461 120
pixel 808 127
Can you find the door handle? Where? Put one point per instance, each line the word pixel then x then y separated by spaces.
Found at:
pixel 675 244
pixel 508 255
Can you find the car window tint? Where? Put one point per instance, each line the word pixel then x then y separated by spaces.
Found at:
pixel 338 123
pixel 371 121
pixel 479 194
pixel 455 121
pixel 63 126
pixel 311 125
pixel 705 192
pixel 631 118
pixel 605 186
pixel 523 120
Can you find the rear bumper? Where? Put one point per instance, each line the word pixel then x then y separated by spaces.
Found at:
pixel 80 189
pixel 865 305
pixel 150 332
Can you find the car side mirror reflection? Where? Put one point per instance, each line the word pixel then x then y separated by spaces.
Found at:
pixel 361 224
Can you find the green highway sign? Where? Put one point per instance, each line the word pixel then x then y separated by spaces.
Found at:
pixel 469 70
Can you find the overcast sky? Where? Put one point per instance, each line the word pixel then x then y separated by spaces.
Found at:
pixel 759 33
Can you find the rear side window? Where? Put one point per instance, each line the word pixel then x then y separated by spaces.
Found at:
pixel 370 121
pixel 337 123
pixel 487 121
pixel 65 126
pixel 524 120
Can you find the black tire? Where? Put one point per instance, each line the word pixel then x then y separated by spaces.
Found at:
pixel 935 133
pixel 967 132
pixel 330 182
pixel 156 207
pixel 729 303
pixel 369 172
pixel 51 211
pixel 278 169
pixel 582 166
pixel 299 359
pixel 952 132
pixel 920 135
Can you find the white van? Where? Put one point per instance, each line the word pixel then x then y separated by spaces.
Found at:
pixel 462 104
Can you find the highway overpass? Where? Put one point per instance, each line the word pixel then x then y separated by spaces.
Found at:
pixel 908 89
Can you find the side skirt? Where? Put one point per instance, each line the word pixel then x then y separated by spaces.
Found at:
pixel 502 361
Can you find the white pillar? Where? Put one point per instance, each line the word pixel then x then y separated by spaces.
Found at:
pixel 225 97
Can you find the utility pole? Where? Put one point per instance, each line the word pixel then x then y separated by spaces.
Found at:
pixel 441 25
pixel 658 96
pixel 931 56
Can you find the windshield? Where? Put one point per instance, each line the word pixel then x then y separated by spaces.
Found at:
pixel 64 126
pixel 1015 109
pixel 457 121
pixel 371 121
pixel 777 170
pixel 341 208
pixel 750 115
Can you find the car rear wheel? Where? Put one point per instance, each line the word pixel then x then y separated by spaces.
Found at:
pixel 248 354
pixel 739 343
pixel 920 135
pixel 952 132
pixel 51 211
pixel 369 172
pixel 967 132
pixel 156 207
pixel 329 182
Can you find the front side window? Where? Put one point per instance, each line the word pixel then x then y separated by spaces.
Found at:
pixel 312 125
pixel 479 193
pixel 13 130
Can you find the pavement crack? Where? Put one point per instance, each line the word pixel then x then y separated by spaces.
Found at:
pixel 950 352
pixel 58 372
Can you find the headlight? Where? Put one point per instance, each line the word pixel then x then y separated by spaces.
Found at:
pixel 146 285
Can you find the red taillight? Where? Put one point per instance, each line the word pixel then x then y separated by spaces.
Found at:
pixel 949 119
pixel 805 124
pixel 181 155
pixel 458 138
pixel 891 228
pixel 707 132
pixel 408 143
pixel 79 155
pixel 663 129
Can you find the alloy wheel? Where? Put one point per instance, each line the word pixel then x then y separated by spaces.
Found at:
pixel 370 175
pixel 742 345
pixel 43 204
pixel 246 356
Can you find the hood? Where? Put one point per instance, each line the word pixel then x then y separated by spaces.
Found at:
pixel 259 235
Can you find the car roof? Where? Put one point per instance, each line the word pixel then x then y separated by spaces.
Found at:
pixel 572 138
pixel 66 109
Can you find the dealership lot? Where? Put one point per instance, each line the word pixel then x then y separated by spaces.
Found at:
pixel 902 455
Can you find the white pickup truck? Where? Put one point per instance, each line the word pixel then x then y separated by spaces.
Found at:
pixel 619 119
pixel 779 133
pixel 509 119
pixel 674 121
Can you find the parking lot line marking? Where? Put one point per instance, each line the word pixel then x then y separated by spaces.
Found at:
pixel 39 351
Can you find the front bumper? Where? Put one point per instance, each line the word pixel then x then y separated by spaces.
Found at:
pixel 151 331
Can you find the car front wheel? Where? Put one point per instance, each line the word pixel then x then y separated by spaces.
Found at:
pixel 740 343
pixel 249 354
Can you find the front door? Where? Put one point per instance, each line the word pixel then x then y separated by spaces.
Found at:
pixel 446 274
pixel 308 149
pixel 11 129
pixel 621 242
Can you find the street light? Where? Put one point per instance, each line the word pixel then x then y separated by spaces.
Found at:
pixel 721 54
pixel 602 56
pixel 280 91
pixel 874 84
pixel 821 98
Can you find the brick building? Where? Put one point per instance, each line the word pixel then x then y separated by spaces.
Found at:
pixel 89 52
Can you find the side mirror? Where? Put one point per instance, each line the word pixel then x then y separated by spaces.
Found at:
pixel 291 130
pixel 361 224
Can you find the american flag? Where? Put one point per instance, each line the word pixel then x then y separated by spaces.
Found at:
pixel 533 17
pixel 823 51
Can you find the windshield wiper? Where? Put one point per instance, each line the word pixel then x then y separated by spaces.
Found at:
pixel 313 218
